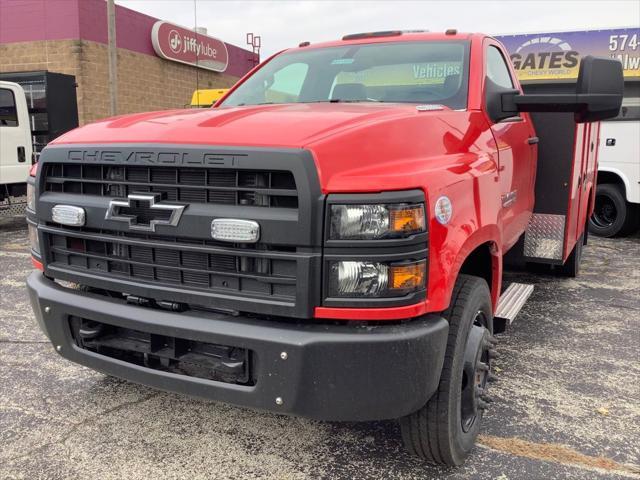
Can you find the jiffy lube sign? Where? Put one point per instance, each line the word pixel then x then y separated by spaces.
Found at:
pixel 186 46
pixel 555 56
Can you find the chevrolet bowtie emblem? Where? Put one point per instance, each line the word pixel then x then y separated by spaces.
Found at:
pixel 144 212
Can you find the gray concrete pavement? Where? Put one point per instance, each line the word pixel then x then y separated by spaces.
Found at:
pixel 567 400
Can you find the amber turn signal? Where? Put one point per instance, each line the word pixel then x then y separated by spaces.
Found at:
pixel 406 219
pixel 409 276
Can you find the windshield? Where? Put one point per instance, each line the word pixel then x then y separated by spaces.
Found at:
pixel 407 72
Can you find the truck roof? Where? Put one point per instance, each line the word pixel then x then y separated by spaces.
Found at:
pixel 392 36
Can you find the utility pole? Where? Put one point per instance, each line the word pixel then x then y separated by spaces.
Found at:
pixel 113 58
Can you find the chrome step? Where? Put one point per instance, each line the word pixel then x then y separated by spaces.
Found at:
pixel 511 302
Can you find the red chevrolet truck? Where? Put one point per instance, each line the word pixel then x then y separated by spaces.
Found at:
pixel 329 239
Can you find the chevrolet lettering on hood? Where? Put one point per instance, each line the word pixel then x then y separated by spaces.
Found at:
pixel 149 157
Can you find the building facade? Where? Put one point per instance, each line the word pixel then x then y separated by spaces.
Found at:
pixel 70 37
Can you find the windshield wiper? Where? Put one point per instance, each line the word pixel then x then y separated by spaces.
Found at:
pixel 347 100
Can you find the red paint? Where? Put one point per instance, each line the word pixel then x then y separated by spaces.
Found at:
pixel 372 147
pixel 186 46
pixel 395 313
pixel 37 264
pixel 583 181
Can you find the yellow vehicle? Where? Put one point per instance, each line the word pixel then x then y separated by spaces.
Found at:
pixel 207 97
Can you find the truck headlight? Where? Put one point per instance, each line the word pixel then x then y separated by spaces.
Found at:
pixel 371 222
pixel 31 197
pixel 376 279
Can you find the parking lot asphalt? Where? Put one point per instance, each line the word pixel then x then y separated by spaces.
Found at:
pixel 567 399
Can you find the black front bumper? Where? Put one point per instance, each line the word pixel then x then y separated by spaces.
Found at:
pixel 331 372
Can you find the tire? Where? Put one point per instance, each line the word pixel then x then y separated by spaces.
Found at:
pixel 436 431
pixel 571 267
pixel 612 215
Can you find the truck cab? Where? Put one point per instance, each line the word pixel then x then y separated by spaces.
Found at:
pixel 15 148
pixel 327 241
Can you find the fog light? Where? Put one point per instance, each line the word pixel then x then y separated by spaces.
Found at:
pixel 33 239
pixel 68 215
pixel 235 230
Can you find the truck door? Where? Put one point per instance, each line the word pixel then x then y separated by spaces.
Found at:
pixel 15 135
pixel 517 151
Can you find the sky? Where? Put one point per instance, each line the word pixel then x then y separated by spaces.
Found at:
pixel 286 23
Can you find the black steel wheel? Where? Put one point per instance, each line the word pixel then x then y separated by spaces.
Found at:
pixel 444 431
pixel 571 267
pixel 612 215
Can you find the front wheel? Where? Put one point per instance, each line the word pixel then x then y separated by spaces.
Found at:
pixel 444 431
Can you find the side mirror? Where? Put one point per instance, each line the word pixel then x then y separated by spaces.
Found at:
pixel 496 97
pixel 598 95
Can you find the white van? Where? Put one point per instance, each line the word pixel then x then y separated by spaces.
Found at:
pixel 617 208
pixel 15 149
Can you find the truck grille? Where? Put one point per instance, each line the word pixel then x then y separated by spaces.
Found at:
pixel 196 265
pixel 278 276
pixel 193 185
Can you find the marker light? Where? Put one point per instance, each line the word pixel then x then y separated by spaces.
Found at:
pixel 33 239
pixel 68 215
pixel 443 210
pixel 408 277
pixel 235 230
pixel 371 222
pixel 31 197
pixel 376 279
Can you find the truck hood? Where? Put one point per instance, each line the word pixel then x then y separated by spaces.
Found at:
pixel 288 125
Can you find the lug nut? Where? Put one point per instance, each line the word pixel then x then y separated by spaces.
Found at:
pixel 279 401
pixel 283 355
pixel 58 348
pixel 47 309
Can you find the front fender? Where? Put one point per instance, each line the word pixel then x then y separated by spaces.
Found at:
pixel 451 255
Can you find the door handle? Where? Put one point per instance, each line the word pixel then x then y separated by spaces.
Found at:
pixel 532 140
pixel 21 155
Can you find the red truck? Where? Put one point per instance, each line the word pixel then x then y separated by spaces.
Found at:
pixel 328 240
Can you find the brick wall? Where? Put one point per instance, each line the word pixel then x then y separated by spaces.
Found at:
pixel 145 82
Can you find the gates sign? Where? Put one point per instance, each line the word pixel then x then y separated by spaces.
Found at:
pixel 556 56
pixel 182 45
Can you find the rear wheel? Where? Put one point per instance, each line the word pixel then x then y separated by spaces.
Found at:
pixel 445 429
pixel 571 267
pixel 612 215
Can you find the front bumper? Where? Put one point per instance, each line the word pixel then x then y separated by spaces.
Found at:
pixel 331 372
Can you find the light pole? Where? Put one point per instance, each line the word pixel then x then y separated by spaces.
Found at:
pixel 113 58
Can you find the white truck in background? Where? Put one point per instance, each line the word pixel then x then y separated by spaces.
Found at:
pixel 16 149
pixel 617 202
